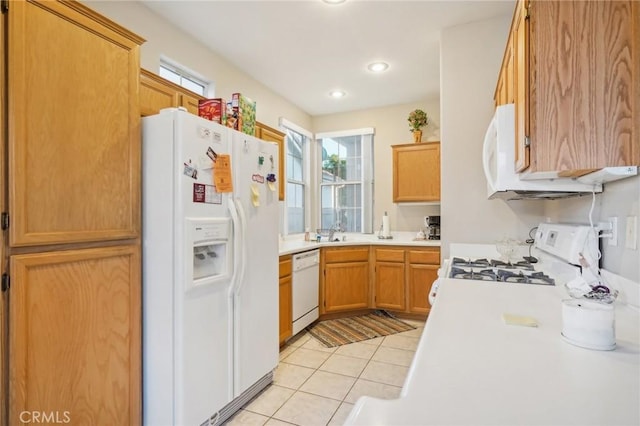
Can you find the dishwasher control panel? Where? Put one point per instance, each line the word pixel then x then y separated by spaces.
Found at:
pixel 306 259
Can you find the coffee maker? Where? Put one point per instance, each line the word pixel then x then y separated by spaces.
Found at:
pixel 433 227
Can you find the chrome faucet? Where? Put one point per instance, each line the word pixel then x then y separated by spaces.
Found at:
pixel 337 227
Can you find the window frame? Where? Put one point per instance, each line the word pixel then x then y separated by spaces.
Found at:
pixel 366 176
pixel 185 74
pixel 308 139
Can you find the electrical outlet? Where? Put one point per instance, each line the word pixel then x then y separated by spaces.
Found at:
pixel 631 233
pixel 613 240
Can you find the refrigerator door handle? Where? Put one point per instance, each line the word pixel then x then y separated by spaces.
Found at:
pixel 242 242
pixel 237 246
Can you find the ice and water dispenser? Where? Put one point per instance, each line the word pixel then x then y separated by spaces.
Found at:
pixel 209 242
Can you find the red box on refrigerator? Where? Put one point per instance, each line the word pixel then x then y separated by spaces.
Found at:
pixel 213 109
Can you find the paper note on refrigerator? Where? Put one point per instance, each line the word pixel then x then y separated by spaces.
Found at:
pixel 222 173
pixel 255 195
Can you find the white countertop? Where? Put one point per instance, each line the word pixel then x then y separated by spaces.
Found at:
pixel 472 369
pixel 296 243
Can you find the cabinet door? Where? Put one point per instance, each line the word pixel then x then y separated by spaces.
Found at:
pixel 346 286
pixel 190 102
pixel 389 286
pixel 416 172
pixel 585 65
pixel 75 335
pixel 421 277
pixel 520 38
pixel 505 88
pixel 269 134
pixel 73 125
pixel 286 309
pixel 155 94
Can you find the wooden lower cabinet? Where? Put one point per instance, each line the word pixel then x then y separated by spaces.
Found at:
pixel 285 299
pixel 75 338
pixel 421 278
pixel 403 278
pixel 395 278
pixel 422 271
pixel 389 279
pixel 345 279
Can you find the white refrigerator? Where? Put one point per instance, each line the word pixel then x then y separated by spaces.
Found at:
pixel 210 269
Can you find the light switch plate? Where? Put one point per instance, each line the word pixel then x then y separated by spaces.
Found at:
pixel 631 233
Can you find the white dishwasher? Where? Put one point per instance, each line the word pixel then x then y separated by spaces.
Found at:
pixel 305 291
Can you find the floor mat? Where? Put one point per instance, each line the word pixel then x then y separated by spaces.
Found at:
pixel 341 331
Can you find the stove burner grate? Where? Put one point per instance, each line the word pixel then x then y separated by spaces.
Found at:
pixel 521 264
pixel 520 277
pixel 470 274
pixel 472 263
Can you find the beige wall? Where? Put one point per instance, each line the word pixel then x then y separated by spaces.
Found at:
pixel 391 128
pixel 165 39
pixel 470 58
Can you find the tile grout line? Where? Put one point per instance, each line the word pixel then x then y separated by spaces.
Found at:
pixel 318 368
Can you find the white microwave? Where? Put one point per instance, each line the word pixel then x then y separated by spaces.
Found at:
pixel 498 160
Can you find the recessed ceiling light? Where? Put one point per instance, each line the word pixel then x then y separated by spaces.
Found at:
pixel 377 66
pixel 337 94
pixel 334 1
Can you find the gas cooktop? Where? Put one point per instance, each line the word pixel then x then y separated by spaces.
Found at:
pixel 521 272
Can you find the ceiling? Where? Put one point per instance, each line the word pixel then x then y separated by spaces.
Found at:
pixel 304 49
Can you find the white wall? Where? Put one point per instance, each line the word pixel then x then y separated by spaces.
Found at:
pixel 470 58
pixel 165 39
pixel 391 128
pixel 619 199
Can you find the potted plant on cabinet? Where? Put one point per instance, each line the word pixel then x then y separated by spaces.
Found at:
pixel 417 120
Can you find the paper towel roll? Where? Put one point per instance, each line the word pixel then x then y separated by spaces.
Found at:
pixel 385 226
pixel 588 324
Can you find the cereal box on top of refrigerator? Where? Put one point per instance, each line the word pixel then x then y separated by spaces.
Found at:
pixel 213 109
pixel 245 108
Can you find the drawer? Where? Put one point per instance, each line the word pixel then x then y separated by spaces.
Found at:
pixel 429 257
pixel 285 266
pixel 389 255
pixel 346 255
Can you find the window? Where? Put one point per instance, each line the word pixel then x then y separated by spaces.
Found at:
pixel 183 78
pixel 295 182
pixel 346 184
pixel 297 165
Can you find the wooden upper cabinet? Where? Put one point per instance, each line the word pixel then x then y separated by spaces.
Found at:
pixel 520 63
pixel 270 134
pixel 74 160
pixel 577 97
pixel 157 93
pixel 190 102
pixel 416 172
pixel 505 88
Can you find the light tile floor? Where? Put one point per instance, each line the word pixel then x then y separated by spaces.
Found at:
pixel 317 386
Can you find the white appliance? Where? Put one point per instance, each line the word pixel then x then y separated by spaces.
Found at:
pixel 498 159
pixel 210 269
pixel 560 255
pixel 305 289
